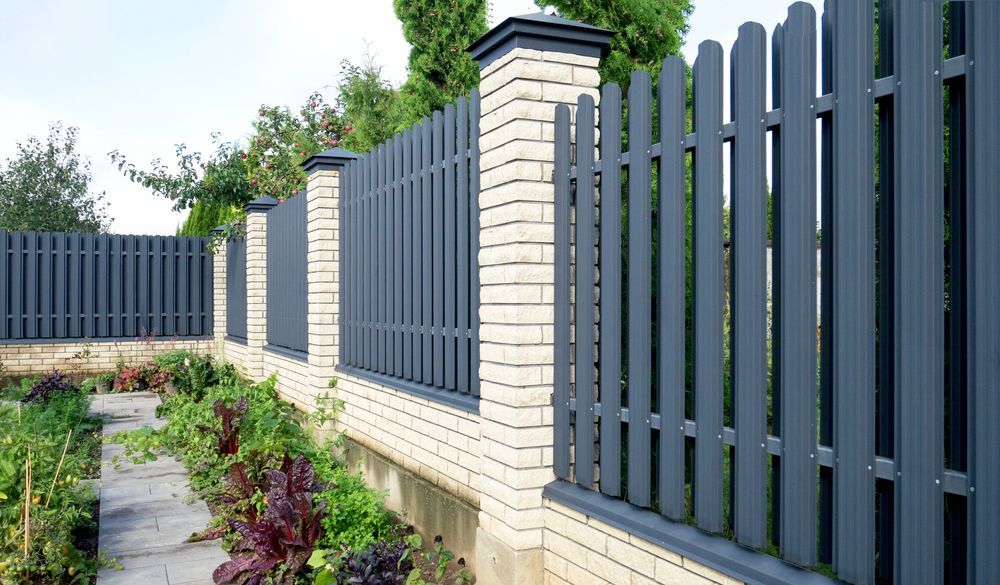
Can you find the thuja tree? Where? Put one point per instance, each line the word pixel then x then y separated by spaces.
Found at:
pixel 440 68
pixel 647 31
pixel 45 186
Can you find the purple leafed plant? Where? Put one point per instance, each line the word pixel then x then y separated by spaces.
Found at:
pixel 52 383
pixel 279 544
pixel 230 418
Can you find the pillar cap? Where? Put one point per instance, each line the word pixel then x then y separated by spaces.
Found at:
pixel 542 32
pixel 218 229
pixel 328 160
pixel 260 204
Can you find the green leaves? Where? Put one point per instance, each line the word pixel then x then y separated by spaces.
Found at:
pixel 45 186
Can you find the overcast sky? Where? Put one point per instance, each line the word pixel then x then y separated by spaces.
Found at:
pixel 141 77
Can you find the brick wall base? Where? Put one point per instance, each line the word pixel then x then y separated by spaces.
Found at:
pixel 26 359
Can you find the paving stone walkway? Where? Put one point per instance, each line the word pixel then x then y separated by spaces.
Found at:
pixel 147 511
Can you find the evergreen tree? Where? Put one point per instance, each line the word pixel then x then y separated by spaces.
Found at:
pixel 440 68
pixel 647 31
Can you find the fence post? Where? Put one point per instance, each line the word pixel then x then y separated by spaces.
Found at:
pixel 218 290
pixel 528 65
pixel 256 239
pixel 323 228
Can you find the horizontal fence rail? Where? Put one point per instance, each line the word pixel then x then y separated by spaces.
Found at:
pixel 236 289
pixel 76 285
pixel 411 242
pixel 862 446
pixel 287 284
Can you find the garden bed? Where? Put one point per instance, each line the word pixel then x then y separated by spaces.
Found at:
pixel 286 508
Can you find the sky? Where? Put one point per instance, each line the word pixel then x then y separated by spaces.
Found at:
pixel 141 77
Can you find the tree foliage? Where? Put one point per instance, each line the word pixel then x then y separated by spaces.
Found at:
pixel 441 69
pixel 647 31
pixel 45 186
pixel 369 110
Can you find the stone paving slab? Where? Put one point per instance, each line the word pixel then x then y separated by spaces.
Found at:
pixel 148 510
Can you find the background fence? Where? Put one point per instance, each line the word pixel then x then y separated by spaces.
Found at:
pixel 287 286
pixel 56 285
pixel 411 242
pixel 236 288
pixel 853 447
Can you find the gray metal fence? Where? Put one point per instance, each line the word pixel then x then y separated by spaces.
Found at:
pixel 287 287
pixel 236 289
pixel 74 285
pixel 411 242
pixel 871 446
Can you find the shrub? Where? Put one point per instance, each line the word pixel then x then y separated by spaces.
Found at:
pixel 51 384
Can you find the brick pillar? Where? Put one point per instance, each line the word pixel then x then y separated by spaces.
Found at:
pixel 528 65
pixel 256 239
pixel 218 292
pixel 323 227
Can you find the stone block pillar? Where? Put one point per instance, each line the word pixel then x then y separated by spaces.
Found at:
pixel 256 238
pixel 323 232
pixel 528 65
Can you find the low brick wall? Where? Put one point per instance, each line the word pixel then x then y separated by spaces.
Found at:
pixel 293 378
pixel 436 442
pixel 235 353
pixel 580 550
pixel 26 359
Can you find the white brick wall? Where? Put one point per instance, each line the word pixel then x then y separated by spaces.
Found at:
pixel 23 359
pixel 256 239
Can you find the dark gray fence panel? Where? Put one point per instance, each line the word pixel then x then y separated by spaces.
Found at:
pixel 918 315
pixel 670 304
pixel 853 271
pixel 749 286
pixel 417 258
pixel 610 259
pixel 561 369
pixel 71 286
pixel 584 298
pixel 287 287
pixel 983 215
pixel 236 288
pixel 708 286
pixel 640 259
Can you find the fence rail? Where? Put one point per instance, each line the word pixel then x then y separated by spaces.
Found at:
pixel 75 285
pixel 411 242
pixel 831 447
pixel 236 288
pixel 287 284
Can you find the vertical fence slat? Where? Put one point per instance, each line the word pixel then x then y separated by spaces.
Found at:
pixel 437 244
pixel 853 304
pixel 30 287
pixel 17 285
pixel 670 304
pixel 449 248
pixel 983 367
pixel 383 272
pixel 561 372
pixel 407 255
pixel 397 261
pixel 129 279
pixel 776 190
pixel 371 263
pixel 427 251
pixel 796 255
pixel 102 252
pixel 708 286
pixel 462 278
pixel 6 282
pixel 116 259
pixel 584 298
pixel 640 288
pixel 474 112
pixel 919 295
pixel 88 269
pixel 610 258
pixel 749 287
pixel 45 286
pixel 418 256
pixel 392 259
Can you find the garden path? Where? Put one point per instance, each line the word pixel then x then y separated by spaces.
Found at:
pixel 148 510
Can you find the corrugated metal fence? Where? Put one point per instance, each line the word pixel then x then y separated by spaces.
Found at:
pixel 236 288
pixel 871 447
pixel 411 243
pixel 287 286
pixel 74 285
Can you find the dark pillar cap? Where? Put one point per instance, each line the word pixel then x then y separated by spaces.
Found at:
pixel 260 204
pixel 218 229
pixel 542 32
pixel 328 160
